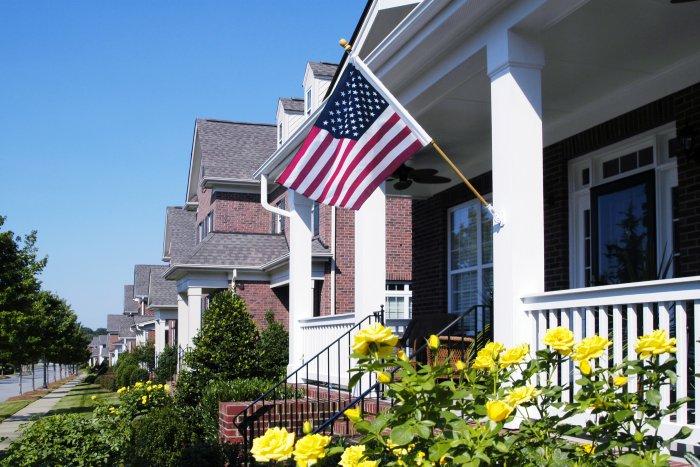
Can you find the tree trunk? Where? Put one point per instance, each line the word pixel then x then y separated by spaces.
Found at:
pixel 33 383
pixel 20 379
pixel 54 372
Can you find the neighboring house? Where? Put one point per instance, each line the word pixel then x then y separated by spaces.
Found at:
pixel 122 337
pixel 580 121
pixel 131 306
pixel 162 302
pixel 234 234
pixel 99 349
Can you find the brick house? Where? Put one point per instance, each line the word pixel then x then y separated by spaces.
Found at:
pixel 584 135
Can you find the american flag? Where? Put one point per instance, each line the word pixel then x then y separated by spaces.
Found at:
pixel 360 138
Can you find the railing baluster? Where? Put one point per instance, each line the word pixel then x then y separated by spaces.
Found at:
pixel 632 341
pixel 665 324
pixel 617 337
pixel 696 357
pixel 577 319
pixel 647 317
pixel 603 331
pixel 682 357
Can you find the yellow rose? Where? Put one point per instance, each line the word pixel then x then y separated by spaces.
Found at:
pixel 521 395
pixel 420 455
pixel 166 387
pixel 588 448
pixel 590 348
pixel 460 365
pixel 275 445
pixel 655 343
pixel 354 415
pixel 368 464
pixel 560 339
pixel 121 390
pixel 498 410
pixel 402 355
pixel 483 361
pixel 310 449
pixel 352 456
pixel 375 338
pixel 93 398
pixel 307 427
pixel 433 342
pixel 138 384
pixel 514 356
pixel 383 377
pixel 620 380
pixel 493 349
pixel 144 399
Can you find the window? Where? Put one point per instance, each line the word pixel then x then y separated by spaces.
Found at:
pixel 622 220
pixel 200 232
pixel 318 289
pixel 470 257
pixel 279 133
pixel 209 223
pixel 278 220
pixel 399 301
pixel 315 218
pixel 307 101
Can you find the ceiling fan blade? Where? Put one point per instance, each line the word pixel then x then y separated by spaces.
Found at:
pixel 402 172
pixel 417 173
pixel 682 1
pixel 432 179
pixel 402 184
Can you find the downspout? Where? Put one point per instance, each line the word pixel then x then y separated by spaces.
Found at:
pixel 333 214
pixel 263 199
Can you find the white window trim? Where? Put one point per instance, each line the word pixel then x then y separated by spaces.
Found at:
pixel 480 265
pixel 404 293
pixel 308 100
pixel 580 200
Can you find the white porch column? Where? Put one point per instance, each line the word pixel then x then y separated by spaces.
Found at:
pixel 301 302
pixel 160 335
pixel 514 65
pixel 370 254
pixel 183 333
pixel 194 303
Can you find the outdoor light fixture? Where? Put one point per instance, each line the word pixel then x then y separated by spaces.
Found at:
pixel 685 143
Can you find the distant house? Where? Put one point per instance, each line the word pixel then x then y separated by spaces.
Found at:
pixel 99 351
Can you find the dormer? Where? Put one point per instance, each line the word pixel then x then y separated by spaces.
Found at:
pixel 317 78
pixel 290 114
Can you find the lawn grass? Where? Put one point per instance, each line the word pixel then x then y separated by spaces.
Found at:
pixel 79 399
pixel 8 408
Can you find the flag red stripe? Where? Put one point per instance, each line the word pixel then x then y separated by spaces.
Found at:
pixel 282 179
pixel 390 169
pixel 312 161
pixel 395 141
pixel 391 121
pixel 324 171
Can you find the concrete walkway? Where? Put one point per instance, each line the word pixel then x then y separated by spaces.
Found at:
pixel 11 427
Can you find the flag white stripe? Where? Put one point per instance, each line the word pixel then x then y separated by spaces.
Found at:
pixel 367 157
pixel 383 164
pixel 358 151
pixel 318 165
pixel 301 167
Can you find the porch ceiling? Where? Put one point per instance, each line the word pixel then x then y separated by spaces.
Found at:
pixel 595 54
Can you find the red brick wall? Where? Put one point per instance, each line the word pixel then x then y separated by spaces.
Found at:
pixel 399 238
pixel 204 201
pixel 240 213
pixel 260 297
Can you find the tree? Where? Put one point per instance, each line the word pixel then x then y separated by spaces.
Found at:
pixel 273 348
pixel 19 285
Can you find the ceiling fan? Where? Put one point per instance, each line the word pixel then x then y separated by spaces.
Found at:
pixel 683 1
pixel 405 176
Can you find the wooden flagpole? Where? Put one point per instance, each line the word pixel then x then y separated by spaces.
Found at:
pixel 496 218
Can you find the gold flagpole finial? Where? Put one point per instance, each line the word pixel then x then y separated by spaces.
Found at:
pixel 345 45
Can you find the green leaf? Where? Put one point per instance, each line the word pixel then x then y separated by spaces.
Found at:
pixel 622 415
pixel 683 433
pixel 402 434
pixel 653 396
pixel 422 430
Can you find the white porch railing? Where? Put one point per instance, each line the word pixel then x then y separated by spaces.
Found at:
pixel 319 332
pixel 621 312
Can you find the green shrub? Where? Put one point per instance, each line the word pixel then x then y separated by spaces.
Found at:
pixel 146 354
pixel 225 346
pixel 273 348
pixel 107 381
pixel 167 364
pixel 69 440
pixel 123 374
pixel 166 437
pixel 139 374
pixel 90 379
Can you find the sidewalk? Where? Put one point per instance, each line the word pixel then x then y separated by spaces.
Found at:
pixel 10 427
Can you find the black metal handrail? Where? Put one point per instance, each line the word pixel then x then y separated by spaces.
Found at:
pixel 466 343
pixel 323 395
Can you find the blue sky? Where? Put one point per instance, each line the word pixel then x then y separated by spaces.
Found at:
pixel 97 107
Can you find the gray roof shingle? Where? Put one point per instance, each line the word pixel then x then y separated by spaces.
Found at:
pixel 120 325
pixel 238 249
pixel 130 306
pixel 323 69
pixel 292 104
pixel 180 225
pixel 161 292
pixel 142 276
pixel 233 149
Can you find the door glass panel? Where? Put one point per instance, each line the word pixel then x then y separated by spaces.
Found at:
pixel 624 230
pixel 486 237
pixel 463 237
pixel 464 291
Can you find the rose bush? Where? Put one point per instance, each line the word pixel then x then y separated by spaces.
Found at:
pixel 457 413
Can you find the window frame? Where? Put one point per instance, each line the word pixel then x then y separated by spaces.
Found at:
pixel 479 268
pixel 307 101
pixel 404 293
pixel 665 172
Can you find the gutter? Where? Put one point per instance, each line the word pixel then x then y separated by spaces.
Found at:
pixel 285 258
pixel 207 182
pixel 215 267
